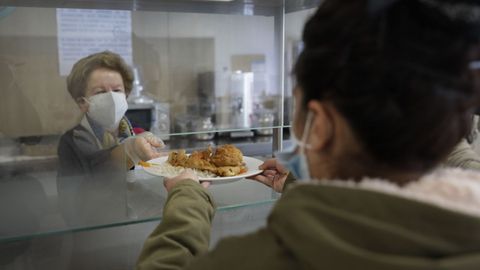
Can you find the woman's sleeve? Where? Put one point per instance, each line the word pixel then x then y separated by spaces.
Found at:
pixel 184 231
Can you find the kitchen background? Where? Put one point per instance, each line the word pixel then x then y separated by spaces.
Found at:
pixel 169 50
pixel 187 62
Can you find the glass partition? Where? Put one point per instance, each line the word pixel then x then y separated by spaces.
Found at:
pixel 294 22
pixel 204 73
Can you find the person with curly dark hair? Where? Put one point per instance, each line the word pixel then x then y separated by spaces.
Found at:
pixel 385 92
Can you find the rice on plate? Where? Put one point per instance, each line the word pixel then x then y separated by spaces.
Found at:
pixel 167 170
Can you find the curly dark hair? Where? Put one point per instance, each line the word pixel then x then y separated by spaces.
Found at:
pixel 399 75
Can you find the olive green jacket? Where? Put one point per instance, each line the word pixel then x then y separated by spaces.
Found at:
pixel 431 224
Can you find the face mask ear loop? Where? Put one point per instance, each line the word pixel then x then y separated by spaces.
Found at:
pixel 86 100
pixel 303 143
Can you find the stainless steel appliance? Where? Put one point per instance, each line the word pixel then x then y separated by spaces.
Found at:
pixel 241 85
pixel 144 112
pixel 154 117
pixel 141 115
pixel 235 107
pixel 161 122
pixel 206 94
pixel 204 124
pixel 264 121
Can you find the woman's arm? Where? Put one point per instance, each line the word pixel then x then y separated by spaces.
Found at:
pixel 184 231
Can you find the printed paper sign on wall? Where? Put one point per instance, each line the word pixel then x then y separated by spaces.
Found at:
pixel 82 32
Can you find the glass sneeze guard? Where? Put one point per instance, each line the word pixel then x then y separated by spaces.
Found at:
pixel 213 62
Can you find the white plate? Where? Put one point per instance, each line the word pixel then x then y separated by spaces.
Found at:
pixel 251 164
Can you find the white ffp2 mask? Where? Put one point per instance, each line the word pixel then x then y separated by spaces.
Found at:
pixel 107 109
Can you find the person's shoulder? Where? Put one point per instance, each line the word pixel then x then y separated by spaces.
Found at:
pixel 66 137
pixel 77 137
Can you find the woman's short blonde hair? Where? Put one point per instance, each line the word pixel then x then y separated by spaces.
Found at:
pixel 78 78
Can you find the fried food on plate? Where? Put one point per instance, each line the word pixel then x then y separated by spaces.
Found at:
pixel 227 160
pixel 200 161
pixel 230 170
pixel 227 155
pixel 178 158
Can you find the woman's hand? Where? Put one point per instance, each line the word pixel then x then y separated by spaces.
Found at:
pixel 143 147
pixel 146 145
pixel 274 174
pixel 186 175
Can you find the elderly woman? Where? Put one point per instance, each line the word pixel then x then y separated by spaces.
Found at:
pixel 100 84
pixel 94 155
pixel 384 94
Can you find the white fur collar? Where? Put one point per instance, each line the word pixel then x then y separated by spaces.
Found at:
pixel 453 189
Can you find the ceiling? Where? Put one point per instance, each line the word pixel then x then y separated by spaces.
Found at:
pixel 258 7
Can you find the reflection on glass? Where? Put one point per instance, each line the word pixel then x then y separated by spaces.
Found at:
pixel 92 164
pixel 213 77
pixel 294 23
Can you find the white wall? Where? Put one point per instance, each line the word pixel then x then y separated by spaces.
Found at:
pixel 29 38
pixel 233 35
pixel 294 23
